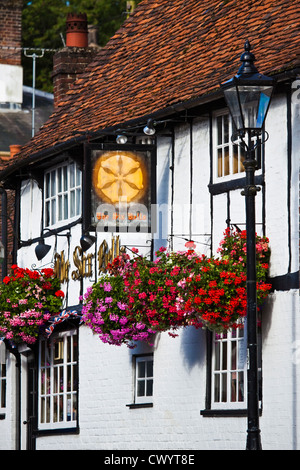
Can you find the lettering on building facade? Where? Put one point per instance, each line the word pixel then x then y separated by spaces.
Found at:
pixel 84 263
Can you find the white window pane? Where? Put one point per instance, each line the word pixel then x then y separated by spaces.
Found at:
pixel 141 388
pixel 60 208
pixel 78 201
pixel 217 356
pixel 226 129
pixel 53 211
pixel 65 175
pixel 149 391
pixel 59 180
pixel 224 387
pixel 72 204
pixel 78 176
pixel 47 214
pixel 149 368
pixel 66 211
pixel 217 388
pixel 141 369
pixel 72 175
pixel 53 183
pixel 219 130
pixel 47 185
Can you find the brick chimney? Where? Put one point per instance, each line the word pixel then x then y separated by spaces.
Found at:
pixel 10 31
pixel 72 60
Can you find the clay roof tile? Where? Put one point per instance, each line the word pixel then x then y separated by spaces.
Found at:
pixel 166 53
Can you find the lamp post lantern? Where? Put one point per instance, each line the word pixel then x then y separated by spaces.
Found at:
pixel 248 96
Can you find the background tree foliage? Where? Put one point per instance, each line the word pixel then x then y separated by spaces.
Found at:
pixel 44 27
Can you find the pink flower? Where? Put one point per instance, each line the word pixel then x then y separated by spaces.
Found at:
pixel 121 305
pixel 107 287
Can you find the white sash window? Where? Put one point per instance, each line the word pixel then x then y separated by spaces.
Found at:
pixel 143 379
pixel 62 200
pixel 229 379
pixel 58 381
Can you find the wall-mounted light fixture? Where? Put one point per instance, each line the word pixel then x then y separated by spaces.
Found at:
pixel 121 139
pixel 42 248
pixel 149 129
pixel 86 241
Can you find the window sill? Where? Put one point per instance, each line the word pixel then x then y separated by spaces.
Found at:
pixel 140 405
pixel 225 413
pixel 53 431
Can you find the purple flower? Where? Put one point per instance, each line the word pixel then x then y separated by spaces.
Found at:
pixel 101 309
pixel 107 287
pixel 113 317
pixel 122 306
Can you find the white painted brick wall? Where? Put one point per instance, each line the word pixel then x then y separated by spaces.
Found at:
pixel 174 422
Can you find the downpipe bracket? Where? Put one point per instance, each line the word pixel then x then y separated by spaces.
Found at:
pixel 250 190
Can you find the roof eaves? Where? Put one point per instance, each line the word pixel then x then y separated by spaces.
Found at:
pixel 173 109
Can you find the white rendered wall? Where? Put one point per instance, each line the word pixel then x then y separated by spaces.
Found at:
pixel 105 372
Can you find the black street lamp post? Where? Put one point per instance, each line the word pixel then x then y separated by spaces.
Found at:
pixel 248 96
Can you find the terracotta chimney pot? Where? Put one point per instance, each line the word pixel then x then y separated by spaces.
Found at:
pixel 77 30
pixel 14 149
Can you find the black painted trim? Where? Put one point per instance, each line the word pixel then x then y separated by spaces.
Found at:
pixel 285 282
pixel 140 405
pixel 239 183
pixel 225 413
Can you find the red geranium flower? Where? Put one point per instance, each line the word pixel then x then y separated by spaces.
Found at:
pixel 59 293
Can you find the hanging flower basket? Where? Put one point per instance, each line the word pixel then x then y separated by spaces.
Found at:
pixel 28 299
pixel 138 297
pixel 216 296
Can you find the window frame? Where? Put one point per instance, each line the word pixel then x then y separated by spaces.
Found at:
pixel 229 347
pixel 227 409
pixel 233 149
pixel 143 399
pixel 65 185
pixel 220 147
pixel 65 424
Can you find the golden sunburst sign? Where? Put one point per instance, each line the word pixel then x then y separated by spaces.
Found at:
pixel 119 176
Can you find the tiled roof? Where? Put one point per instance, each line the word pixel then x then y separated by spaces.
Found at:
pixel 169 52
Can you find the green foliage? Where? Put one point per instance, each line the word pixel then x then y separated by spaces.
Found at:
pixel 44 21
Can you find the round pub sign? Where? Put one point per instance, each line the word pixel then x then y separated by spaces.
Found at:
pixel 119 175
